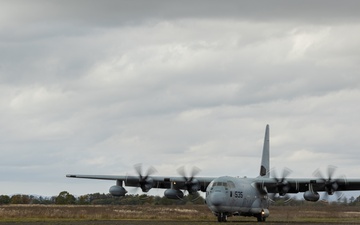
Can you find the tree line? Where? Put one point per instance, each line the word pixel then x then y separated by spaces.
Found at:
pixel 65 198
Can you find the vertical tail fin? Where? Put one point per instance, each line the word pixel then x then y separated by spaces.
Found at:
pixel 265 161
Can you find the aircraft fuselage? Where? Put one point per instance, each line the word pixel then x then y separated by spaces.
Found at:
pixel 228 196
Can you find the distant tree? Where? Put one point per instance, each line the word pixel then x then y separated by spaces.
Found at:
pixel 351 199
pixel 354 201
pixel 65 198
pixel 344 200
pixel 47 200
pixel 4 199
pixel 83 200
pixel 20 199
pixel 142 199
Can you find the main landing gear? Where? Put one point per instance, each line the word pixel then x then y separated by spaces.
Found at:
pixel 222 217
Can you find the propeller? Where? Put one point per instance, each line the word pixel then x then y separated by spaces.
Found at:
pixel 331 185
pixel 145 181
pixel 282 185
pixel 191 184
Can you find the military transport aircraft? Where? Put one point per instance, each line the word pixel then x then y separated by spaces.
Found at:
pixel 232 196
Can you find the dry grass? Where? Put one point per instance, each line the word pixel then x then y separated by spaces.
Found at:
pixel 279 214
pixel 104 212
pixel 316 213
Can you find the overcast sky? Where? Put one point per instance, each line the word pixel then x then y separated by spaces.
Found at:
pixel 94 87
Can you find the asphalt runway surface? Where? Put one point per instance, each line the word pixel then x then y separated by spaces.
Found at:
pixel 157 222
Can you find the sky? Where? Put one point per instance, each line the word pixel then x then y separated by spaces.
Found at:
pixel 95 87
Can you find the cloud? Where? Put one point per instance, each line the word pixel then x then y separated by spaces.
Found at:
pixel 114 13
pixel 100 89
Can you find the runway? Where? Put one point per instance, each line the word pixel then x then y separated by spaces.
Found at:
pixel 157 222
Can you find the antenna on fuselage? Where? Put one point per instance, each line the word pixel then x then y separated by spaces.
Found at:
pixel 265 161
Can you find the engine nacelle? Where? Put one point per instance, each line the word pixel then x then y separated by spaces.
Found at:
pixel 173 194
pixel 117 191
pixel 311 196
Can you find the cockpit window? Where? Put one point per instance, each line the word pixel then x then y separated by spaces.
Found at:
pixel 217 184
pixel 211 184
pixel 231 184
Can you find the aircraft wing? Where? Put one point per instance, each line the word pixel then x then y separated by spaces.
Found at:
pixel 157 181
pixel 291 185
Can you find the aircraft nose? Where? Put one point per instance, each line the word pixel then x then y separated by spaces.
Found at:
pixel 217 198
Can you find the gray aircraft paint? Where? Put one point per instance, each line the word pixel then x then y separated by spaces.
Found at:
pixel 243 199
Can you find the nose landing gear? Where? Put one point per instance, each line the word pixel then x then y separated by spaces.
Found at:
pixel 261 217
pixel 222 217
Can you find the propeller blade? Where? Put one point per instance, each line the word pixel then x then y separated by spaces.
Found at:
pixel 331 185
pixel 342 180
pixel 274 174
pixel 145 181
pixel 181 172
pixel 271 197
pixel 191 184
pixel 325 197
pixel 138 169
pixel 286 172
pixel 282 185
pixel 195 170
pixel 317 173
pixel 151 170
pixel 331 170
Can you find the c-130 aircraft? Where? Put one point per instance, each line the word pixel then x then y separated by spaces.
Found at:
pixel 233 196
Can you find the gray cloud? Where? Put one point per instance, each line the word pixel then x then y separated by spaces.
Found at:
pixel 113 13
pixel 89 87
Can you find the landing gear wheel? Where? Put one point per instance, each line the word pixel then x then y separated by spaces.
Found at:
pixel 260 218
pixel 222 217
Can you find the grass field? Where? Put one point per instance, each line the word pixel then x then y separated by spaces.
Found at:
pixel 186 214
